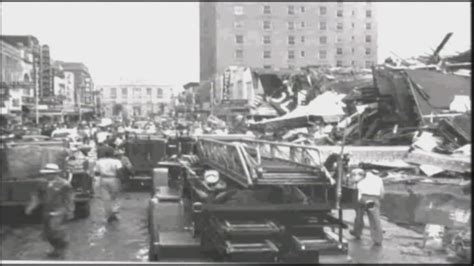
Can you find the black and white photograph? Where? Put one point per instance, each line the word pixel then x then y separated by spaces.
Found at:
pixel 311 132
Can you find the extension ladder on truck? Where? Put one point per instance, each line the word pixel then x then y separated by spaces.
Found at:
pixel 253 163
pixel 292 232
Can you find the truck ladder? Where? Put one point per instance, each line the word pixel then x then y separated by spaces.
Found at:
pixel 253 163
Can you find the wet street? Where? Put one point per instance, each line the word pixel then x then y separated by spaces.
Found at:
pixel 91 239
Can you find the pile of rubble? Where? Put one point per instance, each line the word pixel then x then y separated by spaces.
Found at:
pixel 411 120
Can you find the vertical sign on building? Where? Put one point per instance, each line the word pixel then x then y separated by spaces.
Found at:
pixel 226 85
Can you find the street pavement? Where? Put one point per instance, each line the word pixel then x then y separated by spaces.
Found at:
pixel 401 245
pixel 93 239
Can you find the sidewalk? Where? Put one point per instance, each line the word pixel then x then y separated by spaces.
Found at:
pixel 399 246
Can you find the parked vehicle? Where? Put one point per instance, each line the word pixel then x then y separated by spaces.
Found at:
pixel 19 176
pixel 144 152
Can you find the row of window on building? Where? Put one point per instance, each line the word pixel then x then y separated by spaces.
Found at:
pixel 137 93
pixel 291 25
pixel 291 10
pixel 339 63
pixel 267 39
pixel 239 53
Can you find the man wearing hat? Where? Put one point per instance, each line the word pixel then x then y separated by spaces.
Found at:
pixel 57 200
pixel 370 192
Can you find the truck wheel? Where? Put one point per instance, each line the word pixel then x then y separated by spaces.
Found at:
pixel 82 210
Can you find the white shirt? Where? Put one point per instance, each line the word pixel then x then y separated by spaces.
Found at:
pixel 102 136
pixel 107 167
pixel 370 185
pixel 118 141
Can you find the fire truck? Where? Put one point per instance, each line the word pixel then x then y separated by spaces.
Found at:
pixel 237 199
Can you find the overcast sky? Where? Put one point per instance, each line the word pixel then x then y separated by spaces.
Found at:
pixel 159 42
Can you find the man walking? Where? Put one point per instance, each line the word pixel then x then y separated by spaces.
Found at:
pixel 108 169
pixel 58 206
pixel 371 190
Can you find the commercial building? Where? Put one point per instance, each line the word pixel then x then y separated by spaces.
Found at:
pixel 79 84
pixel 286 35
pixel 30 51
pixel 139 100
pixel 15 81
pixel 59 85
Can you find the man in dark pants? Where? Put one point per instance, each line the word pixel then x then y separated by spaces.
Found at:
pixel 371 190
pixel 58 206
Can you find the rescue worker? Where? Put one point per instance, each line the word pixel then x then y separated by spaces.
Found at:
pixel 370 191
pixel 107 169
pixel 57 200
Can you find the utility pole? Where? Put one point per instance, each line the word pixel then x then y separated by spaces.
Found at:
pixel 212 97
pixel 36 105
pixel 78 97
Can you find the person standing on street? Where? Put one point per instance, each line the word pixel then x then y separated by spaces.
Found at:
pixel 57 200
pixel 108 170
pixel 370 192
pixel 101 137
pixel 127 168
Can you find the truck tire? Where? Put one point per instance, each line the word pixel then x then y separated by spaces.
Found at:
pixel 82 210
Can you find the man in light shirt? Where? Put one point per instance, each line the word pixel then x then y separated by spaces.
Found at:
pixel 371 190
pixel 107 169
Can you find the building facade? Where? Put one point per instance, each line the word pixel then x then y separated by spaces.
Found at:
pixel 15 79
pixel 138 100
pixel 46 87
pixel 280 35
pixel 29 48
pixel 79 85
pixel 58 81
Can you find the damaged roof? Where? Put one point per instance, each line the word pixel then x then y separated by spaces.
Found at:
pixel 438 89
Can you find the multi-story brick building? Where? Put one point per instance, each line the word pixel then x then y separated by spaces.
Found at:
pixel 286 35
pixel 138 100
